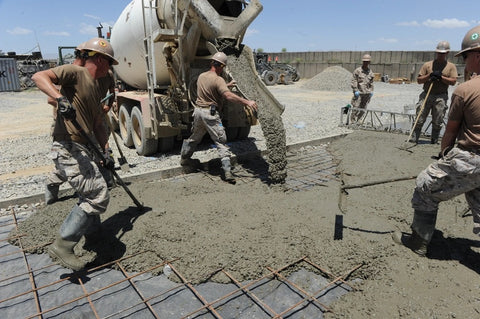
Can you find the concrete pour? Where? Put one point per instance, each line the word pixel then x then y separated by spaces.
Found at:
pixel 180 300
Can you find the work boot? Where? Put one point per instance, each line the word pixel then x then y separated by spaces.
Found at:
pixel 415 136
pixel 62 251
pixel 193 163
pixel 227 171
pixel 435 135
pixel 72 229
pixel 51 193
pixel 417 244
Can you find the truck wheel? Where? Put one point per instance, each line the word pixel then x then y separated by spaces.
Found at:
pixel 166 144
pixel 243 132
pixel 295 77
pixel 270 78
pixel 125 125
pixel 143 145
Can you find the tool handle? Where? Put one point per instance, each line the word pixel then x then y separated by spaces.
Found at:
pixel 102 158
pixel 420 112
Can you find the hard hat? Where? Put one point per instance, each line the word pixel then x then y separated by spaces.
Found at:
pixel 366 57
pixel 81 46
pixel 220 57
pixel 443 47
pixel 102 46
pixel 471 41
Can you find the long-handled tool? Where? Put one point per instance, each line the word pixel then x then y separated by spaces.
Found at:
pixel 102 158
pixel 418 115
pixel 122 160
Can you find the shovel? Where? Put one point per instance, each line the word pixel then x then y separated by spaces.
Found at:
pixel 125 167
pixel 405 145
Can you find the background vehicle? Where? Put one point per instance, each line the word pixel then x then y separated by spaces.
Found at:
pixel 162 46
pixel 273 73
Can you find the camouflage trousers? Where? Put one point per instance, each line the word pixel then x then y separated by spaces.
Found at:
pixel 204 122
pixel 73 163
pixel 437 105
pixel 457 173
pixel 361 103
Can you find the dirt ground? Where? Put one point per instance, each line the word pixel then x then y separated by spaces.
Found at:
pixel 245 227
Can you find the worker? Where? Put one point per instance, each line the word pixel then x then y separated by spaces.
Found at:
pixel 56 178
pixel 362 86
pixel 78 101
pixel 435 76
pixel 457 171
pixel 211 89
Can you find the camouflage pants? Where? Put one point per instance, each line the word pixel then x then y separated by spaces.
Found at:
pixel 73 163
pixel 361 103
pixel 204 122
pixel 437 105
pixel 457 173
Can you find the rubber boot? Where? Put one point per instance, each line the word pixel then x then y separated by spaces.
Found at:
pixel 423 226
pixel 435 135
pixel 72 229
pixel 227 170
pixel 415 136
pixel 51 193
pixel 416 243
pixel 186 154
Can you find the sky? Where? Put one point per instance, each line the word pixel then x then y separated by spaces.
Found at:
pixel 291 25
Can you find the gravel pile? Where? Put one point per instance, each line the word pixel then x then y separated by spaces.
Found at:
pixel 334 78
pixel 309 115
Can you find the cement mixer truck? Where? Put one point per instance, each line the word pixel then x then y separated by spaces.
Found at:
pixel 162 46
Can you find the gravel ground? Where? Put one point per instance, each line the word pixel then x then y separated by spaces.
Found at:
pixel 309 114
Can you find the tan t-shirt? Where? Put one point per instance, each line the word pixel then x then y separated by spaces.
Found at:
pixel 465 108
pixel 448 69
pixel 85 93
pixel 210 88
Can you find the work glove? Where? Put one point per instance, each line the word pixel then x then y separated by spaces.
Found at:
pixel 109 160
pixel 66 108
pixel 371 94
pixel 436 75
pixel 356 93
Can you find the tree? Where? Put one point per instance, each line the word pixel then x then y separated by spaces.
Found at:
pixel 284 49
pixel 260 50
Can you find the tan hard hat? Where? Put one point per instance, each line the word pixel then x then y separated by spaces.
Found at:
pixel 443 47
pixel 471 41
pixel 102 46
pixel 81 46
pixel 220 57
pixel 366 57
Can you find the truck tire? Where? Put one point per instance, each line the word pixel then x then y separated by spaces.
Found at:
pixel 296 77
pixel 270 77
pixel 125 125
pixel 143 145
